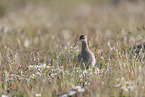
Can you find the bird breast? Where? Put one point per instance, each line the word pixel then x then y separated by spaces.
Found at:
pixel 87 56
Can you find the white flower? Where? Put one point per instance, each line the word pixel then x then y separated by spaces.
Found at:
pixel 117 79
pixel 108 59
pixel 102 57
pixel 124 88
pixel 65 48
pixel 26 43
pixel 87 83
pixel 102 82
pixel 77 50
pixel 111 49
pixel 32 76
pixel 135 49
pixel 53 74
pixel 48 67
pixel 97 70
pixel 79 89
pixel 67 72
pixel 80 75
pixel 13 74
pixel 38 73
pixel 84 71
pixel 71 93
pixel 122 78
pixel 4 96
pixel 64 95
pixel 37 95
pixel 118 85
pixel 124 85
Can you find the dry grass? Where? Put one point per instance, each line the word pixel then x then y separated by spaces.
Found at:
pixel 37 54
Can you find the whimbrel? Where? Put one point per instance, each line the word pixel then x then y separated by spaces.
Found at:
pixel 86 58
pixel 138 48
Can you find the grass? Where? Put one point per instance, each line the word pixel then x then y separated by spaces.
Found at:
pixel 37 57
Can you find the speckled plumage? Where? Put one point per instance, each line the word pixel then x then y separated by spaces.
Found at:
pixel 86 58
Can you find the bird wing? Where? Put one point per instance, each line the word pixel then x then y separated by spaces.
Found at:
pixel 79 58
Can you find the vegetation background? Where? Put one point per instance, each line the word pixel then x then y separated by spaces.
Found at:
pixel 37 54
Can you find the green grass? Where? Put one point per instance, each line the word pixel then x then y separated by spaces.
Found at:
pixel 37 54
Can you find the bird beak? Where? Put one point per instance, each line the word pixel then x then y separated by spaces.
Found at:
pixel 77 42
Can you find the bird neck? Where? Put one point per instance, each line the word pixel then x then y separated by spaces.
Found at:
pixel 84 46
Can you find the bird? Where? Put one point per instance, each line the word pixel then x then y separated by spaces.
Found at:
pixel 86 58
pixel 138 48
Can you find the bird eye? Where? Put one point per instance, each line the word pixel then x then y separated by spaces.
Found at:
pixel 82 37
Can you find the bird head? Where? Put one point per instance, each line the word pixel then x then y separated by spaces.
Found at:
pixel 83 38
